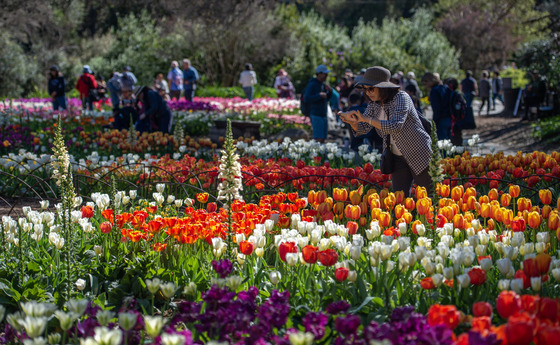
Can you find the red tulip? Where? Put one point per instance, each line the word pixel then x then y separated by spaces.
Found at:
pixel 518 224
pixel 481 323
pixel 341 273
pixel 106 227
pixel 286 247
pixel 508 303
pixel 328 257
pixel 478 276
pixel 202 197
pixel 87 212
pixel 352 227
pixel 548 309
pixel 310 254
pixel 443 315
pixel 526 279
pixel 530 268
pixel 482 309
pixel 529 304
pixel 520 329
pixel 543 261
pixel 211 207
pixel 246 247
pixel 427 283
pixel 548 335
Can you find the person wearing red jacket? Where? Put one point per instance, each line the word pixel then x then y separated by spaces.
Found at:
pixel 85 83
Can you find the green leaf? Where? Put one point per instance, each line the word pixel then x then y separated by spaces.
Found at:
pixel 375 300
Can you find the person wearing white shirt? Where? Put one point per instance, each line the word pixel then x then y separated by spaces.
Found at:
pixel 248 80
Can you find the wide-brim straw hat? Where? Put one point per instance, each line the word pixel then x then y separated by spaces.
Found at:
pixel 377 76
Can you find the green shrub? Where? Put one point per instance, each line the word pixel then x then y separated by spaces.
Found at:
pixel 16 68
pixel 518 77
pixel 230 92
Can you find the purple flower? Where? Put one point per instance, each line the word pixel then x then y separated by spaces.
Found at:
pixel 475 338
pixel 315 323
pixel 222 267
pixel 338 307
pixel 347 325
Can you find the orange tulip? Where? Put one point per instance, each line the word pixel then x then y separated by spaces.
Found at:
pixel 447 211
pixel 558 204
pixel 534 220
pixel 497 214
pixel 414 224
pixel 399 211
pixel 421 193
pixel 338 209
pixel 507 216
pixel 485 210
pixel 546 196
pixel 390 201
pixel 459 221
pixel 374 203
pixel 491 224
pixel 363 207
pixel 375 213
pixel 410 204
pixel 518 224
pixel 384 219
pixel 505 199
pixel 471 203
pixel 524 204
pixel 355 197
pixel 363 221
pixel 320 197
pixel 423 206
pixel 202 197
pixel 311 197
pixel 457 193
pixel 553 221
pixel 546 210
pixel 484 199
pixel 352 227
pixel 514 191
pixel 352 212
pixel 399 196
pixel 407 217
pixel 443 190
pixel 543 261
pixel 493 194
pixel 340 194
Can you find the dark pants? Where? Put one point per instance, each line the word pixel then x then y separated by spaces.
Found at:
pixel 86 102
pixel 249 90
pixel 403 176
pixel 59 102
pixel 443 128
pixel 485 100
pixel 498 96
pixel 175 94
pixel 189 95
pixel 468 98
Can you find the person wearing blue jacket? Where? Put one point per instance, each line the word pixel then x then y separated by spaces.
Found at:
pixel 57 88
pixel 156 115
pixel 440 101
pixel 318 94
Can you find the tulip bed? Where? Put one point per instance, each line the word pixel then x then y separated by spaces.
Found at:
pixel 30 124
pixel 316 248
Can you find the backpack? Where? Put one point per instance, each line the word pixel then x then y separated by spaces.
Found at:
pixel 458 106
pixel 304 106
pixel 93 93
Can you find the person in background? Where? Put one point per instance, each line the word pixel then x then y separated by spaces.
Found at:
pixel 248 80
pixel 128 78
pixel 101 91
pixel 175 78
pixel 115 88
pixel 124 114
pixel 155 114
pixel 411 80
pixel 469 88
pixel 318 94
pixel 392 114
pixel 85 83
pixel 161 86
pixel 497 89
pixel 357 101
pixel 283 85
pixel 440 96
pixel 360 76
pixel 190 79
pixel 456 131
pixel 57 88
pixel 411 90
pixel 484 89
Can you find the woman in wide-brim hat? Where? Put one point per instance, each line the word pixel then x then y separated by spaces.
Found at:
pixel 391 112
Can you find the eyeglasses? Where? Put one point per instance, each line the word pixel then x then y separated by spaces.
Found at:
pixel 368 88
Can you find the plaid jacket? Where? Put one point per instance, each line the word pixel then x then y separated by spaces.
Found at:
pixel 404 126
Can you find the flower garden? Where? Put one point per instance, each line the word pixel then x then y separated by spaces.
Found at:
pixel 175 239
